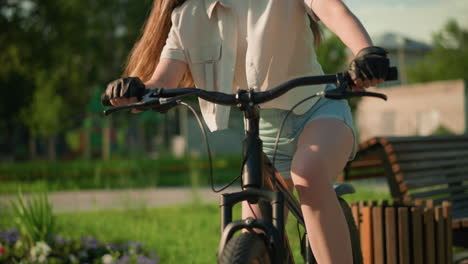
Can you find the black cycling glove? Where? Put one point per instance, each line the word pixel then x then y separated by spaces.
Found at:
pixel 124 87
pixel 369 63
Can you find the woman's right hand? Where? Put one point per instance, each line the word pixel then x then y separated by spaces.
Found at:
pixel 123 91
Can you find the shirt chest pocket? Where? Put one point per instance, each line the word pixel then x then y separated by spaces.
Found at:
pixel 203 63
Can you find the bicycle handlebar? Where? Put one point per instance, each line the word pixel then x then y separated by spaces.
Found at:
pixel 166 98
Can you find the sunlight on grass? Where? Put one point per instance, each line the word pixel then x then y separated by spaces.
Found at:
pixel 182 234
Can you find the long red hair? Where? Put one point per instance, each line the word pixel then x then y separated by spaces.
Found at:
pixel 145 54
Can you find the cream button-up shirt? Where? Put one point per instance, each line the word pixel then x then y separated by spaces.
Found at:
pixel 280 47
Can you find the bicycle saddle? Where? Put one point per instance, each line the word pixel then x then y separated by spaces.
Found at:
pixel 344 188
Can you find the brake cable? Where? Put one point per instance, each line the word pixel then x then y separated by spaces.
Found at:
pixel 208 150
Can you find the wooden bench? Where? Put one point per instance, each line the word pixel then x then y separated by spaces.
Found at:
pixel 420 168
pixel 392 232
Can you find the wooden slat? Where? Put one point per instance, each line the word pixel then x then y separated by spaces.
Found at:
pixel 361 176
pixel 430 155
pixel 365 164
pixel 394 188
pixel 427 182
pixel 378 229
pixel 430 203
pixel 440 235
pixel 369 156
pixel 435 173
pixel 454 198
pixel 368 143
pixel 419 203
pixel 457 223
pixel 447 215
pixel 459 204
pixel 414 147
pixel 426 165
pixel 391 236
pixel 460 213
pixel 465 223
pixel 356 216
pixel 417 235
pixel 425 139
pixel 429 238
pixel 366 235
pixel 430 193
pixel 403 236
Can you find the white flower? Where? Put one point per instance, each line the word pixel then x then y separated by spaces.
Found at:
pixel 43 247
pixel 73 258
pixel 39 252
pixel 107 259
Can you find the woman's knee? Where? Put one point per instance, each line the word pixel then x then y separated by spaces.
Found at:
pixel 314 172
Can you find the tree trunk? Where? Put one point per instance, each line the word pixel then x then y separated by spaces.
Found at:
pixel 32 147
pixel 51 152
pixel 106 138
pixel 86 138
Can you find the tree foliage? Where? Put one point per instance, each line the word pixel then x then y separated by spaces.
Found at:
pixel 332 54
pixel 449 58
pixel 56 52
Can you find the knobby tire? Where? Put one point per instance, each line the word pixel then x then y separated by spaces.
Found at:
pixel 246 248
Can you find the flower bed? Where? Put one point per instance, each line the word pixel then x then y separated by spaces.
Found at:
pixel 13 249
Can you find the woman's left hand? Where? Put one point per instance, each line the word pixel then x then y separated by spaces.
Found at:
pixel 368 68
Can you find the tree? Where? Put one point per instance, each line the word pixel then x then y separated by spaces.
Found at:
pixel 332 54
pixel 63 49
pixel 448 59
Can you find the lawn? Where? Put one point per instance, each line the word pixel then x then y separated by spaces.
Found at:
pixel 182 234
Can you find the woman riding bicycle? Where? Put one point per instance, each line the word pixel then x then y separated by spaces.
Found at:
pixel 226 45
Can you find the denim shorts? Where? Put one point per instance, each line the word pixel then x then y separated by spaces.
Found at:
pixel 271 119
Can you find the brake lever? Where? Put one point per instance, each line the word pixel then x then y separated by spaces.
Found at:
pixel 343 81
pixel 341 94
pixel 149 101
pixel 141 105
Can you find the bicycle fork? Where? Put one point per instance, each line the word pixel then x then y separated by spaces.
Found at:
pixel 272 224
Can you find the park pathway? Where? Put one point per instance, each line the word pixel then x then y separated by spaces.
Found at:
pixel 92 200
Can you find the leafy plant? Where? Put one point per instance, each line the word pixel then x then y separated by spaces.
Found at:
pixel 34 218
pixel 63 250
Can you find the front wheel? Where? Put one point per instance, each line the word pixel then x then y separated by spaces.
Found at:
pixel 246 248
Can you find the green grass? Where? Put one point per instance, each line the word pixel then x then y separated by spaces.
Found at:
pixel 183 234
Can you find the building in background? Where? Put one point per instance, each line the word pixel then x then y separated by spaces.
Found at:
pixel 402 52
pixel 419 109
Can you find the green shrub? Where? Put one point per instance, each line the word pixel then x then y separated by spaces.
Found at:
pixel 112 174
pixel 34 218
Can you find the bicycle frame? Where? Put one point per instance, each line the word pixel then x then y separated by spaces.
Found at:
pixel 271 202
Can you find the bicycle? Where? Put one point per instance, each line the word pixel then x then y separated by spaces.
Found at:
pixel 261 184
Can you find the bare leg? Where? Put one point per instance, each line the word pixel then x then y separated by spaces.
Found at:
pixel 322 152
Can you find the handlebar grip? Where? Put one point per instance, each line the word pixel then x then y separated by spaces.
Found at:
pixel 392 74
pixel 105 101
